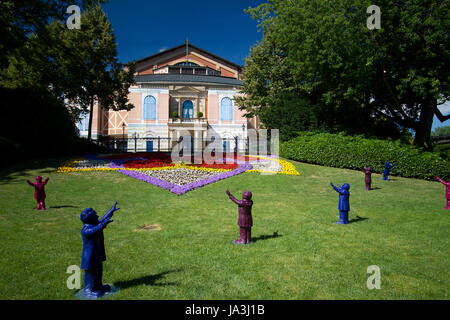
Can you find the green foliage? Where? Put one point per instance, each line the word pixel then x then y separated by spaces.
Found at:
pixel 175 114
pixel 354 152
pixel 441 131
pixel 290 114
pixel 79 65
pixel 89 66
pixel 324 49
pixel 200 114
pixel 39 126
pixel 443 150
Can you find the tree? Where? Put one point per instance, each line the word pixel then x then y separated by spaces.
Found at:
pixel 441 131
pixel 88 66
pixel 396 74
pixel 21 18
pixel 78 65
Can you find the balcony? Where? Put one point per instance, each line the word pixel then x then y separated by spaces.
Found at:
pixel 188 120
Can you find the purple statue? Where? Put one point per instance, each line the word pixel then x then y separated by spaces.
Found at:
pixel 39 191
pixel 447 191
pixel 368 178
pixel 344 203
pixel 93 253
pixel 245 221
pixel 387 169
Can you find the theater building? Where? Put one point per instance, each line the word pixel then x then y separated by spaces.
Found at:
pixel 181 91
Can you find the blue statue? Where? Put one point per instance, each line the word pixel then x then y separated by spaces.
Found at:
pixel 344 203
pixel 387 169
pixel 93 253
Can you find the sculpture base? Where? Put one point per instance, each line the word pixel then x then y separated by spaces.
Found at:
pixel 237 243
pixel 82 296
pixel 340 222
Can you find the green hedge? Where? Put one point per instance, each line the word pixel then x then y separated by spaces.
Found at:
pixel 354 152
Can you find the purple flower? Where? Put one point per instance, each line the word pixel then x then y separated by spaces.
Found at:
pixel 183 189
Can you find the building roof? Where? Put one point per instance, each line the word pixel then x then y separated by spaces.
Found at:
pixel 183 78
pixel 189 46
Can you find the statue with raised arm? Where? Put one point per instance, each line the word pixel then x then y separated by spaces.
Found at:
pixel 39 191
pixel 368 177
pixel 344 201
pixel 447 191
pixel 93 253
pixel 387 169
pixel 245 221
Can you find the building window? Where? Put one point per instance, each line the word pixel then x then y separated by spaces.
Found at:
pixel 186 64
pixel 83 124
pixel 188 109
pixel 226 109
pixel 149 108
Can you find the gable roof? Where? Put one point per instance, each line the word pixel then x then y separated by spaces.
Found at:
pixel 178 78
pixel 190 46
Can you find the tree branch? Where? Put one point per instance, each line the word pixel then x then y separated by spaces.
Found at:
pixel 439 115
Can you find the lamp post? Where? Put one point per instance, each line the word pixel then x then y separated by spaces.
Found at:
pixel 243 137
pixel 123 136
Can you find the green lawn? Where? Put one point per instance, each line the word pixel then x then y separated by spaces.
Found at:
pixel 299 253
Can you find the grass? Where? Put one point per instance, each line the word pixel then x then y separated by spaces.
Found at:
pixel 299 252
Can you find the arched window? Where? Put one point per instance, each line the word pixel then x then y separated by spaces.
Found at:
pixel 186 64
pixel 188 109
pixel 149 108
pixel 226 109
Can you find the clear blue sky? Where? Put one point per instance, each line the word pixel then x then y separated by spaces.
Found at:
pixel 145 27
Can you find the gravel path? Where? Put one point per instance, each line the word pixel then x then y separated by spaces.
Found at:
pixel 179 176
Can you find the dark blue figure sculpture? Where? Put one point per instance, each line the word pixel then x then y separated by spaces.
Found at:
pixel 344 203
pixel 387 169
pixel 93 253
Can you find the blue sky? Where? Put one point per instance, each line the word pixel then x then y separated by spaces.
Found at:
pixel 145 27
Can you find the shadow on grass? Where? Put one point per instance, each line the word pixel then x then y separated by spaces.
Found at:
pixel 357 219
pixel 146 280
pixel 266 237
pixel 61 207
pixel 374 188
pixel 16 172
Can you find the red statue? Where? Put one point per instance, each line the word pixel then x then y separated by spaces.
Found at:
pixel 447 192
pixel 368 178
pixel 245 221
pixel 39 191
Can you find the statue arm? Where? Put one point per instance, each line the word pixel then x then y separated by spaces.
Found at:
pixel 109 214
pixel 233 199
pixel 443 182
pixel 334 187
pixel 87 231
pixel 30 183
pixel 46 180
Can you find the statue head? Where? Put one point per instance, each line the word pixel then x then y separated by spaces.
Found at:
pixel 346 186
pixel 89 216
pixel 247 195
pixel 369 168
pixel 39 179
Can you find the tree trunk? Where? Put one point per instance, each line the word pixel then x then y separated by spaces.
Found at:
pixel 91 114
pixel 423 129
